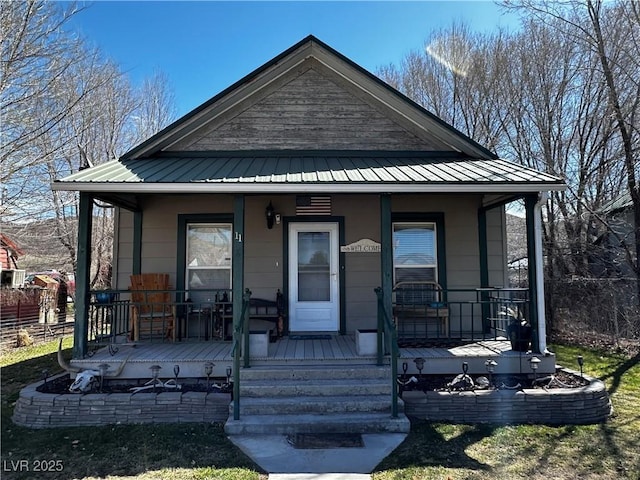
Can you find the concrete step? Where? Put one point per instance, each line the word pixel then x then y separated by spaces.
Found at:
pixel 325 387
pixel 315 404
pixel 315 372
pixel 317 423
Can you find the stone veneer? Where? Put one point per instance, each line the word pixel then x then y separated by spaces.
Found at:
pixel 584 405
pixel 44 410
pixel 554 406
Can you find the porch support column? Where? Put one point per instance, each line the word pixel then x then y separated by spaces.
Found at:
pixel 137 243
pixel 386 252
pixel 530 202
pixel 81 326
pixel 484 267
pixel 237 267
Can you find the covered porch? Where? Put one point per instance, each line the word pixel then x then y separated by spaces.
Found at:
pixel 333 350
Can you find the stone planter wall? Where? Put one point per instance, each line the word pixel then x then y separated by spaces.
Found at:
pixel 556 406
pixel 44 410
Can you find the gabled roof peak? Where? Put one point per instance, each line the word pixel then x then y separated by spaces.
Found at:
pixel 307 51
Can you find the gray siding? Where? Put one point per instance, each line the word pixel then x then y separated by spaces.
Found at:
pixel 310 111
pixel 265 259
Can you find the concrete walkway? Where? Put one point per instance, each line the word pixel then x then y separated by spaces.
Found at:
pixel 275 455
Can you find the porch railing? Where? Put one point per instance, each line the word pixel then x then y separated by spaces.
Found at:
pixel 196 314
pixel 388 337
pixel 464 315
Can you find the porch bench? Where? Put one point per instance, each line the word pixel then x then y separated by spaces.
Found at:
pixel 263 309
pixel 417 303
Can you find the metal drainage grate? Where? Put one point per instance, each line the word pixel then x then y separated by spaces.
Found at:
pixel 325 440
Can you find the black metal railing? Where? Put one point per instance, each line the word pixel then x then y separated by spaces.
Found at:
pixel 117 316
pixel 464 315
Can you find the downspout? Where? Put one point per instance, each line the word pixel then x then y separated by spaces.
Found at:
pixel 539 266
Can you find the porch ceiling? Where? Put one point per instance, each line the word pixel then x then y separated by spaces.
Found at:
pixel 257 172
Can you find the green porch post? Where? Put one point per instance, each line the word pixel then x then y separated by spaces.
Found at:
pixel 137 243
pixel 237 277
pixel 534 317
pixel 81 326
pixel 484 267
pixel 386 258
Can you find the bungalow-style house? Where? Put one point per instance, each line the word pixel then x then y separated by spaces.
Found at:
pixel 302 208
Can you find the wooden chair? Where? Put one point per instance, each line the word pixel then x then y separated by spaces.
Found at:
pixel 418 302
pixel 153 311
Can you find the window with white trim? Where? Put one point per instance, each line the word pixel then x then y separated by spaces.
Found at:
pixel 208 259
pixel 415 256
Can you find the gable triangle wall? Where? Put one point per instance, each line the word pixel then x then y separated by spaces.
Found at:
pixel 309 108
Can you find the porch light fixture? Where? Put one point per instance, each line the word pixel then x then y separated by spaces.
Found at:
pixel 228 375
pixel 270 214
pixel 465 367
pixel 581 363
pixel 405 367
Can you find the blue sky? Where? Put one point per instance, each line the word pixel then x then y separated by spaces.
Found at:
pixel 206 46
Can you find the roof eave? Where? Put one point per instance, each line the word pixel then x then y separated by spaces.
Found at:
pixel 333 187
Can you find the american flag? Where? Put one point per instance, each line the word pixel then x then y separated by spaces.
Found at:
pixel 313 205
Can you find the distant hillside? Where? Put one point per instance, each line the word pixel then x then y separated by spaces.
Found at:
pixel 42 250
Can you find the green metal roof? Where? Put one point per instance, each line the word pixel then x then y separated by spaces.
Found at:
pixel 318 171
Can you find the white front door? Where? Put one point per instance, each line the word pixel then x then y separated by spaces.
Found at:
pixel 313 277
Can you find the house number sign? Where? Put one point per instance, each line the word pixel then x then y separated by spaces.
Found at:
pixel 365 245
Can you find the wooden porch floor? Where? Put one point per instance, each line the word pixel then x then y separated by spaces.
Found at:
pixel 337 350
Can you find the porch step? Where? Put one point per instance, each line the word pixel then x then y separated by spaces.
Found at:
pixel 323 387
pixel 311 404
pixel 317 423
pixel 315 372
pixel 316 399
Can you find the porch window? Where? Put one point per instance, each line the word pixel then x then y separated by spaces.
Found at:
pixel 415 256
pixel 208 259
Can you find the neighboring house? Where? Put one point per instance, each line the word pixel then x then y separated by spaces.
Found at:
pixel 11 275
pixel 610 260
pixel 312 177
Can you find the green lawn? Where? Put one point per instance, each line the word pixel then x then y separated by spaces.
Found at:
pixel 431 451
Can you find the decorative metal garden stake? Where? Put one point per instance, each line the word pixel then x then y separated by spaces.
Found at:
pixel 208 370
pixel 581 363
pixel 490 365
pixel 176 371
pixel 155 371
pixel 534 363
pixel 104 368
pixel 45 376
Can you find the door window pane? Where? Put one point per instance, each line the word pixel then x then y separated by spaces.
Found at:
pixel 314 267
pixel 414 252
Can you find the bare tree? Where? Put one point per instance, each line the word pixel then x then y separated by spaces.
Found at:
pixel 611 33
pixel 65 108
